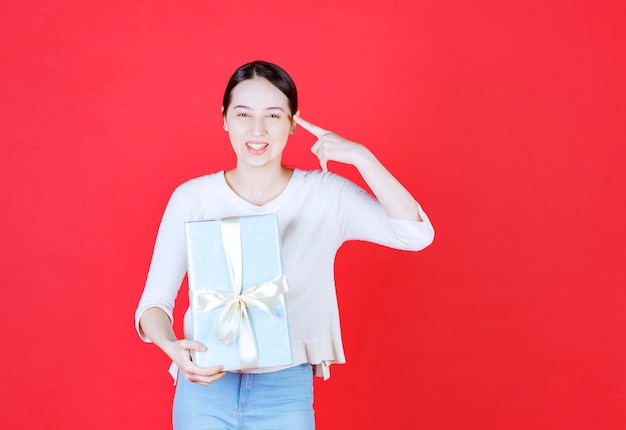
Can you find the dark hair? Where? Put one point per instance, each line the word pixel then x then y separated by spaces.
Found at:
pixel 262 69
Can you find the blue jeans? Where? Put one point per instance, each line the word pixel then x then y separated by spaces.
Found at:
pixel 246 401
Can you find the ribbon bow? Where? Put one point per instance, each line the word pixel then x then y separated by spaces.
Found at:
pixel 234 318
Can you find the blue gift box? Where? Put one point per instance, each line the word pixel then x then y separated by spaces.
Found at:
pixel 237 292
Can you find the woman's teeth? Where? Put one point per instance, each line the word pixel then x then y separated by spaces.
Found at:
pixel 256 146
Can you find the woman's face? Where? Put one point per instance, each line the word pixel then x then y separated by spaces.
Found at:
pixel 259 122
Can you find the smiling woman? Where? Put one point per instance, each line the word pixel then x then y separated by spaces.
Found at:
pixel 317 212
pixel 259 103
pixel 258 122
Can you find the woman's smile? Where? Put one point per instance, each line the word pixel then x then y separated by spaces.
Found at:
pixel 256 147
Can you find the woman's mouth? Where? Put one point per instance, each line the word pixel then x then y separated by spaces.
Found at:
pixel 256 148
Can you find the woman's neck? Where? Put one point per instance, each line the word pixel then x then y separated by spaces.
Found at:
pixel 258 186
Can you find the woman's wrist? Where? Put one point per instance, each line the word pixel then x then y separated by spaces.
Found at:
pixel 364 159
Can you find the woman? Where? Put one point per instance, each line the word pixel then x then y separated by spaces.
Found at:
pixel 317 211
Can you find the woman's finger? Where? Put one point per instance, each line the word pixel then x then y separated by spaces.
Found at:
pixel 203 380
pixel 323 163
pixel 191 344
pixel 317 150
pixel 310 127
pixel 207 375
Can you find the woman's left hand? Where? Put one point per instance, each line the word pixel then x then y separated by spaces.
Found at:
pixel 331 146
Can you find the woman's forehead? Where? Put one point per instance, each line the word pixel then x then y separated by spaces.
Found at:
pixel 258 93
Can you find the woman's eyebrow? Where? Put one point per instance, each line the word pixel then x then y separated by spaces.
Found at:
pixel 267 108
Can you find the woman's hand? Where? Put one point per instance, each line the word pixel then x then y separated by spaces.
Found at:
pixel 394 198
pixel 156 325
pixel 180 352
pixel 331 146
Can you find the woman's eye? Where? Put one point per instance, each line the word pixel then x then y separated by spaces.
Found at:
pixel 274 115
pixel 243 114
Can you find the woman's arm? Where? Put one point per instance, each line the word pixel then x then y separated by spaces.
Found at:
pixel 156 325
pixel 393 197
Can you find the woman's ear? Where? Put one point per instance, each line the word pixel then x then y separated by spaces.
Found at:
pixel 224 116
pixel 293 124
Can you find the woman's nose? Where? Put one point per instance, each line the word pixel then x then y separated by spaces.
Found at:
pixel 258 126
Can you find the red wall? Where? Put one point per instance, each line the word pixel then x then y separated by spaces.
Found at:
pixel 504 118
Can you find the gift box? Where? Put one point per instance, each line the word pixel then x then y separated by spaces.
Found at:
pixel 237 292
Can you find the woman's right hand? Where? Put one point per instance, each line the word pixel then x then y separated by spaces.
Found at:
pixel 180 352
pixel 157 327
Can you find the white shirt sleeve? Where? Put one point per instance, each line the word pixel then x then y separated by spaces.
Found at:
pixel 169 264
pixel 361 217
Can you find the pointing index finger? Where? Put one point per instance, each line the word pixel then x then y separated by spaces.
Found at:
pixel 310 127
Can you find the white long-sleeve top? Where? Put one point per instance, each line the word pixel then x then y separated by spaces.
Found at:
pixel 317 212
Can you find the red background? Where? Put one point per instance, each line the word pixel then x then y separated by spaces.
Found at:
pixel 504 118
